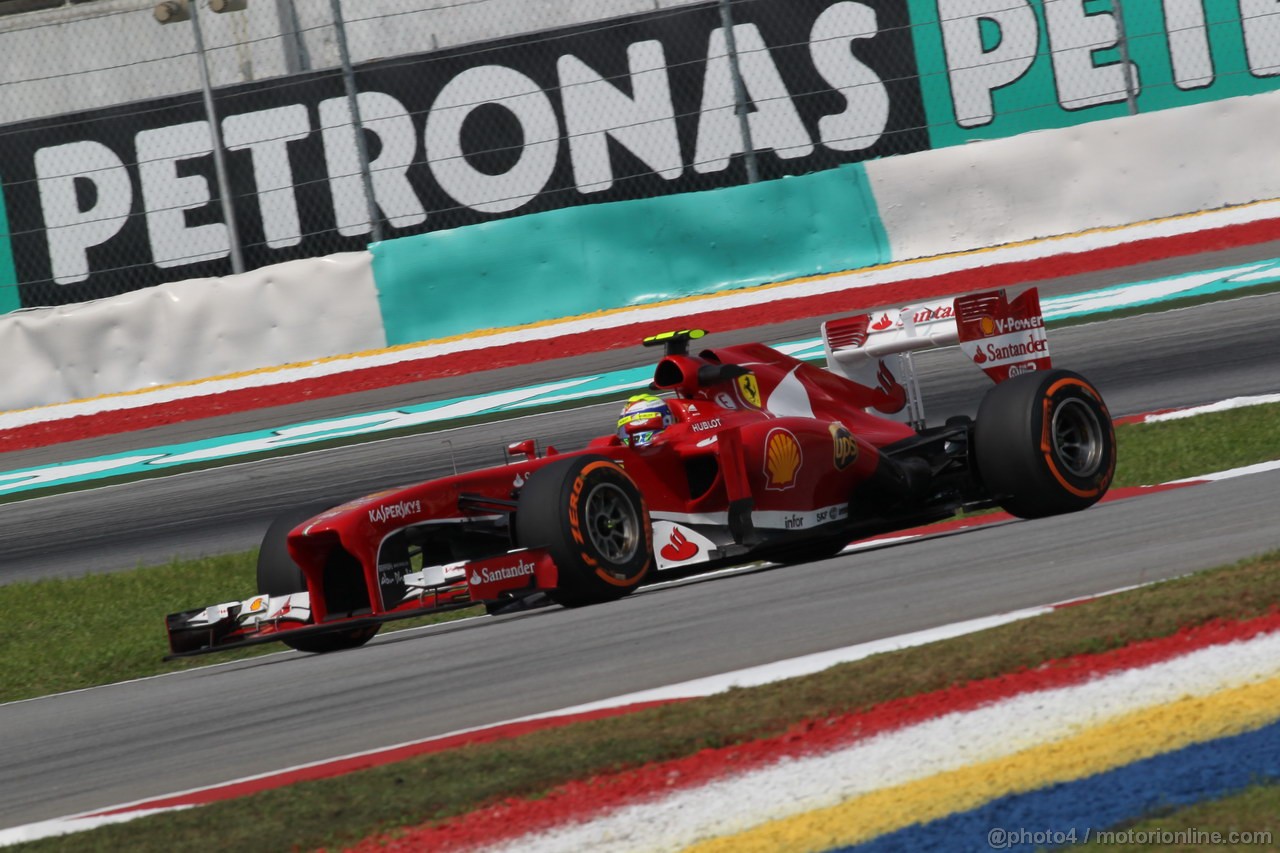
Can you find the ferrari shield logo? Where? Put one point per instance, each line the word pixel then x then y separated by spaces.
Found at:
pixel 749 390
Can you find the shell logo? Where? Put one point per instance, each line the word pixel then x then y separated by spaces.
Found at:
pixel 987 325
pixel 782 460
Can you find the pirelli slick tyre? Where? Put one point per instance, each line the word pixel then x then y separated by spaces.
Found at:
pixel 589 514
pixel 1044 444
pixel 279 575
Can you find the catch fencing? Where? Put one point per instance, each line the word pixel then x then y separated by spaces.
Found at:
pixel 133 153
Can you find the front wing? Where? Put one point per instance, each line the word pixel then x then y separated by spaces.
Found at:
pixel 435 589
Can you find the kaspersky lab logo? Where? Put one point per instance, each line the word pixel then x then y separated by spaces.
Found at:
pixel 9 299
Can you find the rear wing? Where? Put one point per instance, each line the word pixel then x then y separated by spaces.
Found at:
pixel 1002 336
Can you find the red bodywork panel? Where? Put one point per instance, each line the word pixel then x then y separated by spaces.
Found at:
pixel 791 466
pixel 768 456
pixel 764 445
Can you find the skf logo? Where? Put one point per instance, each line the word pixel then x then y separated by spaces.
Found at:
pixel 749 390
pixel 845 447
pixel 781 460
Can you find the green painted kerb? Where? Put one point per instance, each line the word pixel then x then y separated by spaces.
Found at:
pixel 578 260
pixel 9 300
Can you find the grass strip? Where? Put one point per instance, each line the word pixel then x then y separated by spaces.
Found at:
pixel 1255 810
pixel 67 634
pixel 336 812
pixel 70 633
pixel 1188 447
pixel 64 634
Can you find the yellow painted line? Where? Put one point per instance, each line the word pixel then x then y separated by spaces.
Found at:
pixel 1115 743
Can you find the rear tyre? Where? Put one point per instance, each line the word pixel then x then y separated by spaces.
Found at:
pixel 590 516
pixel 278 574
pixel 1044 444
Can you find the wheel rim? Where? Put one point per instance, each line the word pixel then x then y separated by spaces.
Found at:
pixel 1077 438
pixel 612 523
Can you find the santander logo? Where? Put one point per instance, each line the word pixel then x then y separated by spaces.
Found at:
pixel 894 395
pixel 502 573
pixel 679 548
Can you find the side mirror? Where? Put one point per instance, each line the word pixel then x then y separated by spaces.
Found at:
pixel 528 448
pixel 714 374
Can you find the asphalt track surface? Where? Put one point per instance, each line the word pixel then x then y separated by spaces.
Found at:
pixel 100 747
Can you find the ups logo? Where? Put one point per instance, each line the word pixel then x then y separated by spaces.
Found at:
pixel 845 446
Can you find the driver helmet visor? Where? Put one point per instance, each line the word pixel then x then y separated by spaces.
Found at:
pixel 640 428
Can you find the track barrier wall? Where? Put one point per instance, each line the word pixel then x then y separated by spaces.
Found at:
pixel 579 260
pixel 183 331
pixel 1098 175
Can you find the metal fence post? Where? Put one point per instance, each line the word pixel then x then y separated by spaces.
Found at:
pixel 741 103
pixel 357 126
pixel 219 154
pixel 1122 42
pixel 294 50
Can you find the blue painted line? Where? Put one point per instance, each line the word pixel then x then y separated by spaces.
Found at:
pixel 1072 812
pixel 158 460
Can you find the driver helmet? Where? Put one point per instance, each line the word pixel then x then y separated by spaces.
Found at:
pixel 642 418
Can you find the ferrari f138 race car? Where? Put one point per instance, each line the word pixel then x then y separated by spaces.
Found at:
pixel 757 456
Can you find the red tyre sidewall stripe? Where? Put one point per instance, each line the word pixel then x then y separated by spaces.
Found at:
pixel 644 523
pixel 1046 444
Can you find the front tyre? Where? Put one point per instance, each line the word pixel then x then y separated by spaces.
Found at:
pixel 1044 444
pixel 278 574
pixel 590 516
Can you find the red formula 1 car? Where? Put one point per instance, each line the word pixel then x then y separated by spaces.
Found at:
pixel 765 457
